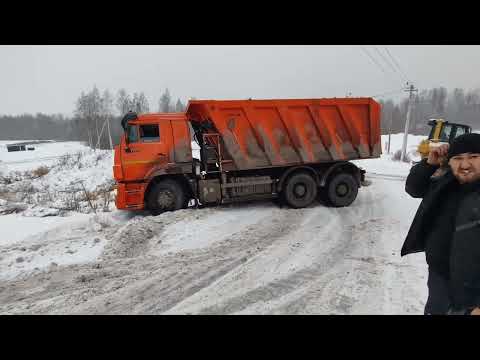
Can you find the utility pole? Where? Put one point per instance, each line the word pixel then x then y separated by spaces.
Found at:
pixel 411 89
pixel 390 132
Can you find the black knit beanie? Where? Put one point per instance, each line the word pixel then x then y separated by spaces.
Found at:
pixel 467 143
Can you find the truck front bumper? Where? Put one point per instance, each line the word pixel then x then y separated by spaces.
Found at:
pixel 130 196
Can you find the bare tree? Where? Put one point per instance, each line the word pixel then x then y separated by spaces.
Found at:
pixel 124 102
pixel 95 102
pixel 164 102
pixel 82 112
pixel 89 112
pixel 140 103
pixel 144 107
pixel 107 113
pixel 179 106
pixel 442 98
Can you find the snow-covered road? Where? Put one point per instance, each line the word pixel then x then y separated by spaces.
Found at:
pixel 327 261
pixel 241 259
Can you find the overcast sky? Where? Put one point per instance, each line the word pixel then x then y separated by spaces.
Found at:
pixel 49 79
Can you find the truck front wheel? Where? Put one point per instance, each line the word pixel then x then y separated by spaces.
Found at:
pixel 167 195
pixel 342 190
pixel 300 190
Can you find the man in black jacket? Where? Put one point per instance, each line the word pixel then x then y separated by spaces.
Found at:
pixel 447 225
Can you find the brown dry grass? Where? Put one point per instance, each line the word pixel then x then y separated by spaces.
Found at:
pixel 40 171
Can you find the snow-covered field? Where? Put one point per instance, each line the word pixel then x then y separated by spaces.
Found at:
pixel 44 154
pixel 56 178
pixel 242 259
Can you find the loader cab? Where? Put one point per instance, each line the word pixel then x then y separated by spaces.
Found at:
pixel 444 131
pixel 441 132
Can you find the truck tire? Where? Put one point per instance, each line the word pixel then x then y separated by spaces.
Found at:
pixel 342 190
pixel 300 190
pixel 167 195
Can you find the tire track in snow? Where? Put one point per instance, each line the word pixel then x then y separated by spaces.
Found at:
pixel 195 270
pixel 241 246
pixel 339 282
pixel 386 176
pixel 275 289
pixel 144 283
pixel 329 256
pixel 324 290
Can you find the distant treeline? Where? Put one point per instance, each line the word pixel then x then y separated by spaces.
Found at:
pixel 34 127
pixel 97 115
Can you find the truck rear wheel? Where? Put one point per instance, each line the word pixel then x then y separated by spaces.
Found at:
pixel 167 195
pixel 342 190
pixel 300 190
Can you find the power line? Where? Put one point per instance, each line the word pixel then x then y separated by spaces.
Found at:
pixel 388 63
pixel 396 63
pixel 374 61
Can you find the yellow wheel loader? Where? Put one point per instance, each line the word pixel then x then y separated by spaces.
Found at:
pixel 443 132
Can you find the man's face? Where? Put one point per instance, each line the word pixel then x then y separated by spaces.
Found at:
pixel 466 167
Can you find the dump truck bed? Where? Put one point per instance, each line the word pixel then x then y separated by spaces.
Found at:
pixel 265 133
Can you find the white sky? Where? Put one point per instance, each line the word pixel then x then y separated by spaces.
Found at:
pixel 49 79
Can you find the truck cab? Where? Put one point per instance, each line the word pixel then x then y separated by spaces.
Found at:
pixel 152 145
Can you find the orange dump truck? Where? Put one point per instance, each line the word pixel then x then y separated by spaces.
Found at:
pixel 294 150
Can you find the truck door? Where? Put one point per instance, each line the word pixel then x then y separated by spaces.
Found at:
pixel 149 146
pixel 182 140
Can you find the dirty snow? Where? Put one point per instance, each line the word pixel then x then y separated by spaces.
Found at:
pixel 253 258
pixel 31 244
pixel 182 236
